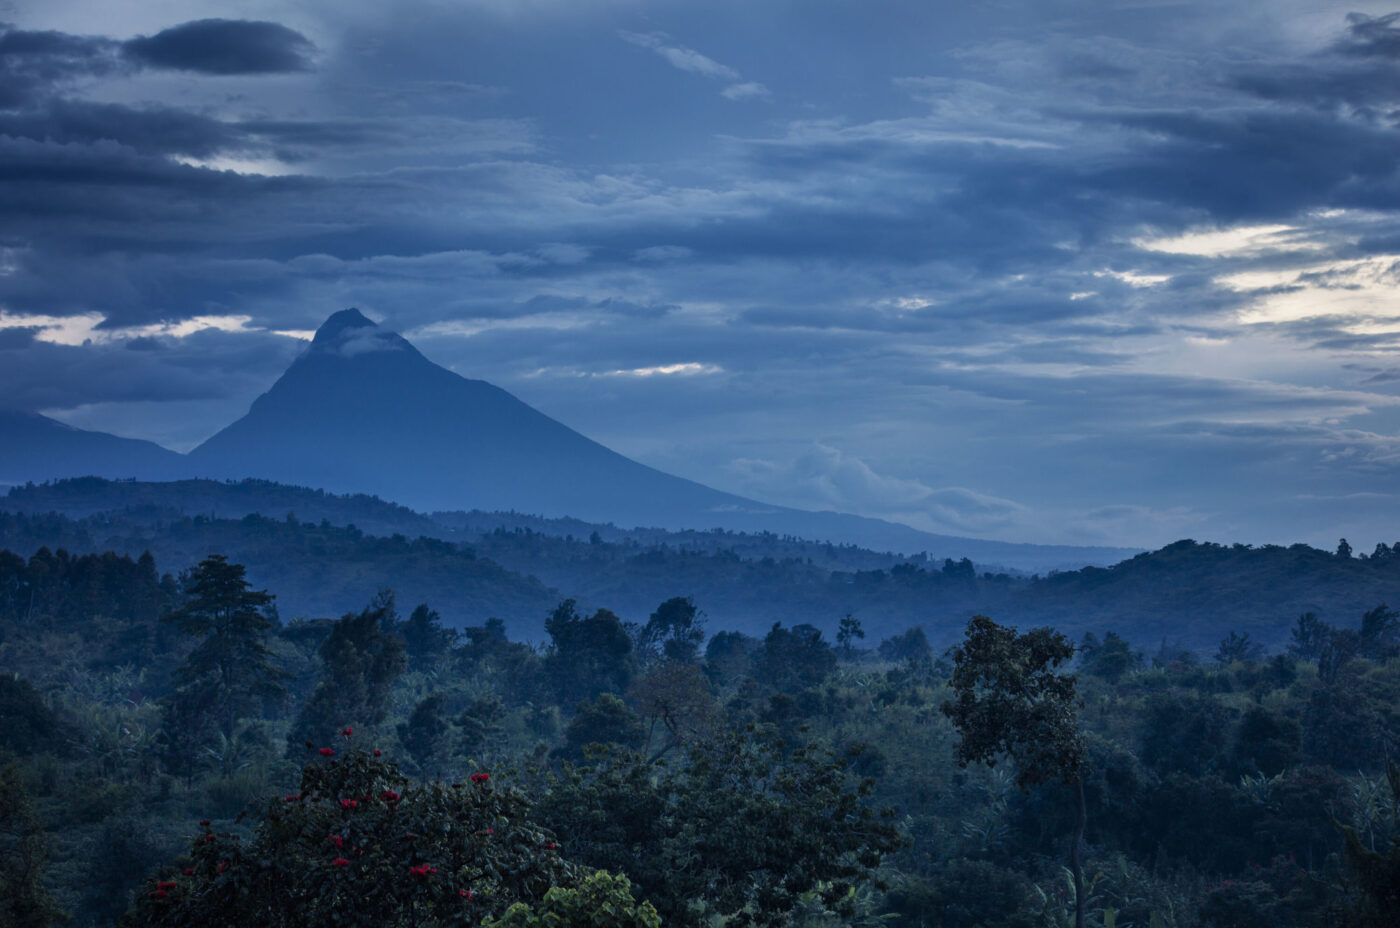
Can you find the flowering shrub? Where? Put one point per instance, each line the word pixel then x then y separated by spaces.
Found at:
pixel 358 844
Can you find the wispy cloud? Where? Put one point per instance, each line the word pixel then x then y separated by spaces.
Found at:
pixel 689 60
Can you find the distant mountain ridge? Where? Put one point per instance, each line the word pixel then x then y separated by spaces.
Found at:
pixel 362 411
pixel 35 447
pixel 482 565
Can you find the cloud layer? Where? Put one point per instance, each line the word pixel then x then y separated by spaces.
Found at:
pixel 1090 277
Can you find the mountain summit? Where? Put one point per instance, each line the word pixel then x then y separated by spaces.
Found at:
pixel 363 411
pixel 350 332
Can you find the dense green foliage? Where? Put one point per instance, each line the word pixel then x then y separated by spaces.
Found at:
pixel 742 777
pixel 360 844
pixel 741 829
pixel 602 900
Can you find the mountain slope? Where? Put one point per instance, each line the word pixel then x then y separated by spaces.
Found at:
pixel 35 447
pixel 363 411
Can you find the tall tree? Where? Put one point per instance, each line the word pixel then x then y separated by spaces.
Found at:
pixel 590 655
pixel 1309 637
pixel 676 628
pixel 424 637
pixel 795 658
pixel 362 658
pixel 1009 700
pixel 846 638
pixel 233 659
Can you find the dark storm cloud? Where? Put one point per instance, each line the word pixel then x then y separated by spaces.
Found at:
pixel 1372 36
pixel 1363 83
pixel 200 366
pixel 151 130
pixel 223 46
pixel 1362 69
pixel 31 63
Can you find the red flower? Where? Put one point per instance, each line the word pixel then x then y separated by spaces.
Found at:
pixel 337 840
pixel 340 862
pixel 293 798
pixel 389 796
pixel 465 893
pixel 347 732
pixel 480 777
pixel 223 865
pixel 189 871
pixel 550 846
pixel 348 804
pixel 422 870
pixel 377 752
pixel 327 752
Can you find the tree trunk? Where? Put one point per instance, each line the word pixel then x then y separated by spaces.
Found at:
pixel 1075 864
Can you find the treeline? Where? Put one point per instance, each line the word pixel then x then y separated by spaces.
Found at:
pixel 784 778
pixel 1181 595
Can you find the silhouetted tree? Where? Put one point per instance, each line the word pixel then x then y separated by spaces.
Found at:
pixel 795 658
pixel 729 657
pixel 361 660
pixel 1010 700
pixel 1110 658
pixel 1236 647
pixel 590 655
pixel 674 696
pixel 425 735
pixel 1308 637
pixel 425 640
pixel 233 659
pixel 676 628
pixel 1380 629
pixel 846 637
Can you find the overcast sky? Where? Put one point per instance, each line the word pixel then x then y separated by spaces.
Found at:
pixel 1037 270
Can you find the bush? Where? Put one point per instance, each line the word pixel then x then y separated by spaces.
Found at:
pixel 358 844
pixel 601 901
